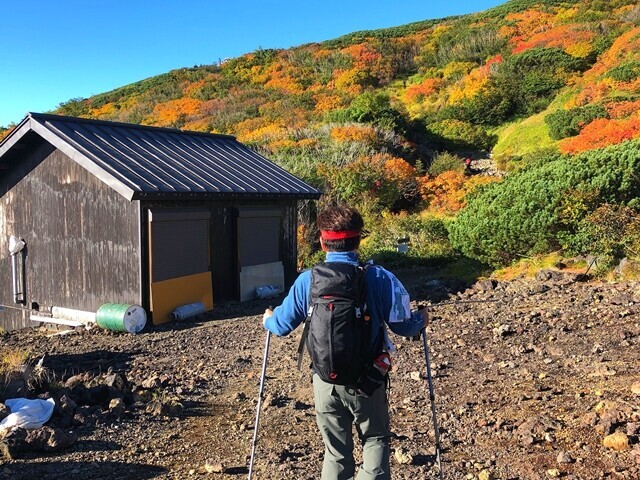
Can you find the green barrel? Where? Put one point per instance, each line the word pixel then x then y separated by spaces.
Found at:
pixel 121 318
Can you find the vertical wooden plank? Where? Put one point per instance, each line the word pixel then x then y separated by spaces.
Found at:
pixel 82 236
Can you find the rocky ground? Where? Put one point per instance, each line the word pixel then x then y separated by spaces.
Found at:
pixel 534 379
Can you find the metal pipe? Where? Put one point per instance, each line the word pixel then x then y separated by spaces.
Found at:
pixel 16 246
pixel 14 271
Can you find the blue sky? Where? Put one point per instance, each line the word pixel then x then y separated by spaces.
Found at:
pixel 55 50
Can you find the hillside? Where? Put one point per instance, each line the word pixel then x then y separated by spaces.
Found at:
pixel 419 80
pixel 382 119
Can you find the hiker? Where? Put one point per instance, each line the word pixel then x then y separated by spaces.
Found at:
pixel 362 401
pixel 467 164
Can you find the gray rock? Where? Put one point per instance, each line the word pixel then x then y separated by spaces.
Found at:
pixel 14 443
pixel 152 382
pixel 48 439
pixel 564 457
pixel 67 404
pixel 633 428
pixel 486 285
pixel 503 331
pixel 4 411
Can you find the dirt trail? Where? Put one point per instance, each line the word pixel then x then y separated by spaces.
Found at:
pixel 530 377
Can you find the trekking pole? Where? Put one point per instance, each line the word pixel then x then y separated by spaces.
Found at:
pixel 432 398
pixel 260 392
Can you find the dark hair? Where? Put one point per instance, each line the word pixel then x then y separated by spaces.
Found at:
pixel 341 219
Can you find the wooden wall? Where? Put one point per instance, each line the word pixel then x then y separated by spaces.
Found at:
pixel 82 237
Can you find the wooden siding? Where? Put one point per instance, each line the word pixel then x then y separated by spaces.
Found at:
pixel 82 237
pixel 224 251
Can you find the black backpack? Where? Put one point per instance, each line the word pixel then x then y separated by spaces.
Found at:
pixel 337 330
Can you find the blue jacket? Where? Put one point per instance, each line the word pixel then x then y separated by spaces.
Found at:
pixel 387 302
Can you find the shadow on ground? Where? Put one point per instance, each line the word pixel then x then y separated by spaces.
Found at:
pixel 52 470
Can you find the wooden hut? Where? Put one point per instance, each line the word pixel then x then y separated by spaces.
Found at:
pixel 95 212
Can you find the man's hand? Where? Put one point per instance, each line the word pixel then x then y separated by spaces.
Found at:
pixel 424 311
pixel 267 313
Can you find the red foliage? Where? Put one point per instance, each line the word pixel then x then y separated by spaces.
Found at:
pixel 562 36
pixel 601 133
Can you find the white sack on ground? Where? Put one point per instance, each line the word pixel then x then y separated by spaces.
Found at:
pixel 25 413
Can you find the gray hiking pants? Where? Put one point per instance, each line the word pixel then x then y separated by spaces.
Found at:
pixel 337 409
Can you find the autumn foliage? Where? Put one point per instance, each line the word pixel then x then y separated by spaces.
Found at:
pixel 363 116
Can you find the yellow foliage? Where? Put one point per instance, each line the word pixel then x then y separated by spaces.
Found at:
pixel 580 49
pixel 282 144
pixel 455 70
pixel 266 134
pixel 350 81
pixel 105 110
pixel 565 15
pixel 197 126
pixel 469 86
pixel 308 143
pixel 250 124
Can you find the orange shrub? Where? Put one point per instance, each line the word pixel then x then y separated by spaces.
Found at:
pixel 415 93
pixel 399 170
pixel 601 133
pixel 170 112
pixel 523 25
pixel 623 109
pixel 354 133
pixel 447 192
pixel 563 36
pixel 326 102
pixel 266 134
pixel 105 110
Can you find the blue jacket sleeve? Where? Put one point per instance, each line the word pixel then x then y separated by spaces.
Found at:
pixel 293 311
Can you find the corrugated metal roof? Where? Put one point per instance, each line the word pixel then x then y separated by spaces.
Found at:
pixel 143 162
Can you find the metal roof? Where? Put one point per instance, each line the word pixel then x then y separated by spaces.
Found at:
pixel 151 162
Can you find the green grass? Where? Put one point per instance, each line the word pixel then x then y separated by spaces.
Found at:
pixel 464 269
pixel 523 137
pixel 527 136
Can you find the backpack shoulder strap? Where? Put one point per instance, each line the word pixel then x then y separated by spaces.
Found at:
pixel 305 331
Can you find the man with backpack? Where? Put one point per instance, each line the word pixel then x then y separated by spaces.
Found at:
pixel 346 307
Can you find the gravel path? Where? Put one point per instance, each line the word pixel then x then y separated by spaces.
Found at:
pixel 532 377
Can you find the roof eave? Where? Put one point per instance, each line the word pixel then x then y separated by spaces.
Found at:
pixel 222 196
pixel 14 137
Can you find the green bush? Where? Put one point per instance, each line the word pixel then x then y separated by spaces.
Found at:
pixel 457 135
pixel 531 79
pixel 492 106
pixel 428 239
pixel 568 123
pixel 626 72
pixel 527 213
pixel 370 107
pixel 444 162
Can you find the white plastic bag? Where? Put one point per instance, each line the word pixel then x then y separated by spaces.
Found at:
pixel 29 414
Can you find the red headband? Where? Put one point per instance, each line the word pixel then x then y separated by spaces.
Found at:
pixel 329 235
